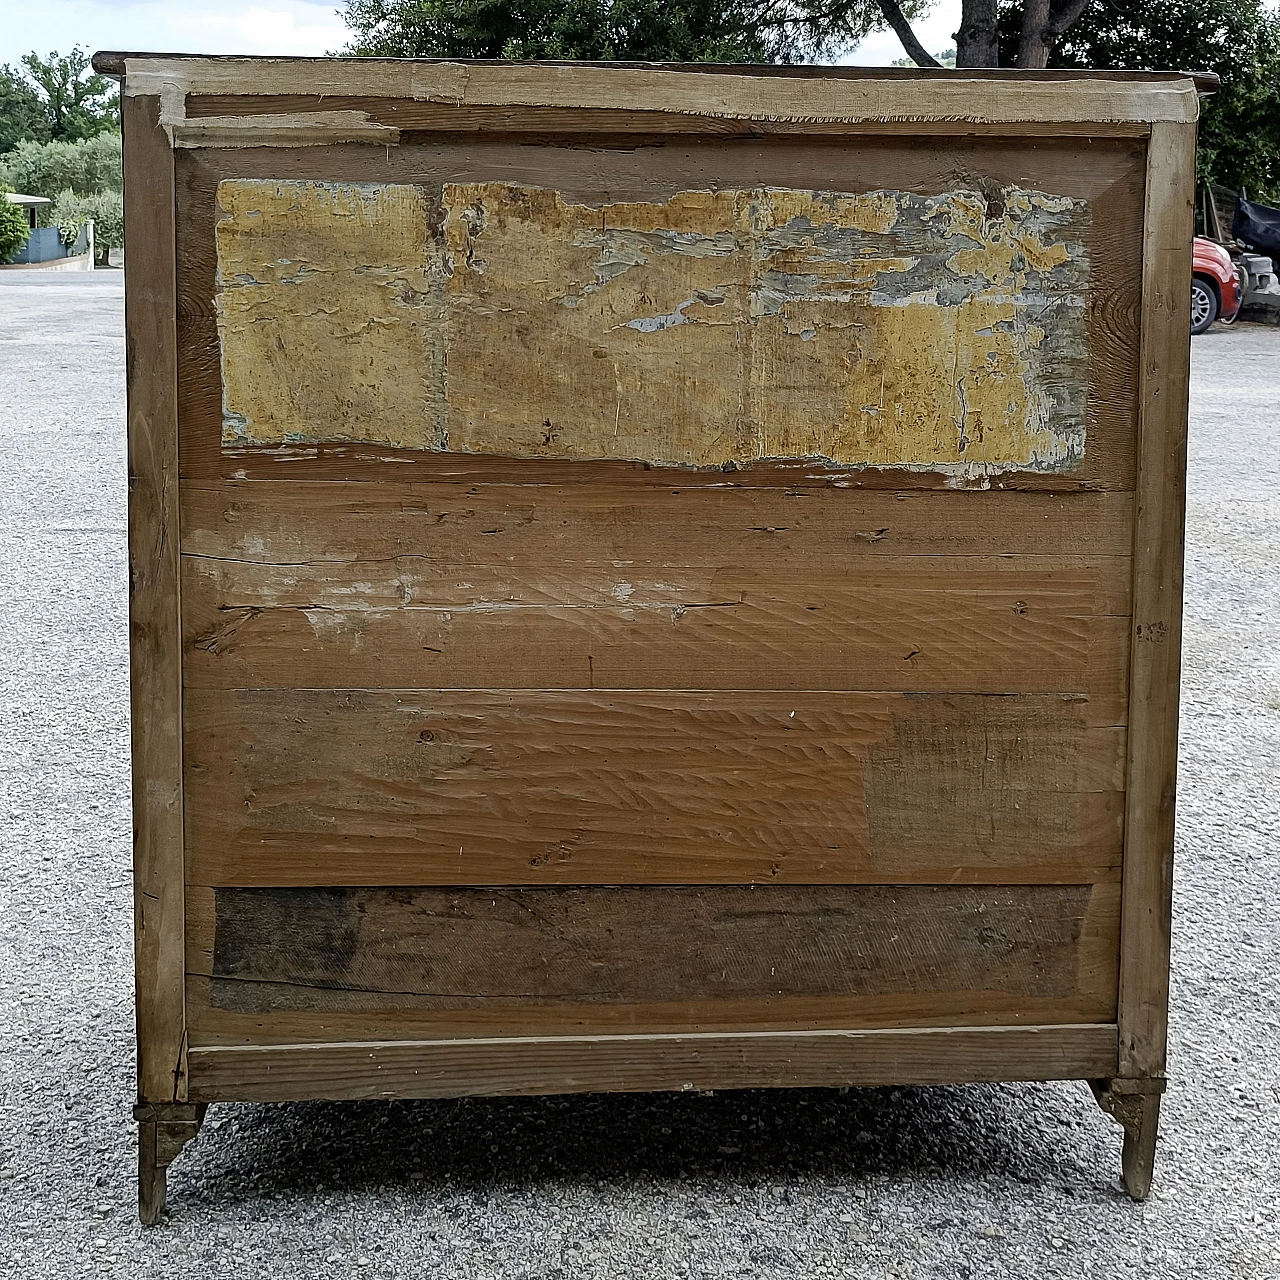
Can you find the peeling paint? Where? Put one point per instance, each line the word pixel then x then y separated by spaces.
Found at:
pixel 941 332
pixel 329 302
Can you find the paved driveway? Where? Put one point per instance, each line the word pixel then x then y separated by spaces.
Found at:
pixel 1013 1181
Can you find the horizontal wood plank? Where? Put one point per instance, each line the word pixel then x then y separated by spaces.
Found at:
pixel 324 524
pixel 211 1025
pixel 463 1068
pixel 714 92
pixel 495 949
pixel 899 626
pixel 576 578
pixel 315 787
pixel 408 116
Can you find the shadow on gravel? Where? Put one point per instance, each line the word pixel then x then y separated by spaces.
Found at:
pixel 1028 1133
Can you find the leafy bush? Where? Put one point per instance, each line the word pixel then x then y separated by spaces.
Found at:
pixel 13 228
pixel 106 208
pixel 50 168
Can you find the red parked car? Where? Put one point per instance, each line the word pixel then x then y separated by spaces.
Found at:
pixel 1215 286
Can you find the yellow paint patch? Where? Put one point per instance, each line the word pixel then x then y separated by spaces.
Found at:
pixel 885 329
pixel 329 307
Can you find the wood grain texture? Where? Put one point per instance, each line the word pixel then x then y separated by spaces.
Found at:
pixel 744 94
pixel 444 529
pixel 463 1068
pixel 1157 617
pixel 155 648
pixel 314 787
pixel 111 62
pixel 457 948
pixel 907 625
pixel 353 547
pixel 409 116
pixel 211 1026
pixel 1107 174
pixel 568 771
pixel 1081 990
pixel 636 554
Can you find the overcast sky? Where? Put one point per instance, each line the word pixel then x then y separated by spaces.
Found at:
pixel 273 26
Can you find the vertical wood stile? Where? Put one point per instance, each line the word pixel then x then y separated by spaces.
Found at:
pixel 154 630
pixel 1157 601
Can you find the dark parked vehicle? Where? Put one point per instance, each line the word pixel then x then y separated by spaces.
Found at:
pixel 1258 226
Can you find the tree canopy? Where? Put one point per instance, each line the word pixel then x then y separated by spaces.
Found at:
pixel 82 176
pixel 22 113
pixel 59 97
pixel 1238 39
pixel 688 30
pixel 639 30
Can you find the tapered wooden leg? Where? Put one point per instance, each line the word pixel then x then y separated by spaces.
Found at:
pixel 152 1177
pixel 1135 1105
pixel 1139 1158
pixel 163 1130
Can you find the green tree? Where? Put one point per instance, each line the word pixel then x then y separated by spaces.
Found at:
pixel 49 168
pixel 106 208
pixel 77 102
pixel 640 30
pixel 1238 39
pixel 13 227
pixel 21 110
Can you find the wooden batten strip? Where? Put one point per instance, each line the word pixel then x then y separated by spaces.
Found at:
pixel 711 95
pixel 1156 646
pixel 422 118
pixel 299 129
pixel 641 1063
pixel 155 642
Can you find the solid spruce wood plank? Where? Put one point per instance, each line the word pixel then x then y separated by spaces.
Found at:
pixel 1157 607
pixel 463 1068
pixel 715 93
pixel 327 525
pixel 497 573
pixel 365 949
pixel 211 1026
pixel 112 63
pixel 312 787
pixel 154 611
pixel 408 115
pixel 951 630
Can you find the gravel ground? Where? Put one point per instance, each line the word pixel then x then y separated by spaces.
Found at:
pixel 1013 1181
